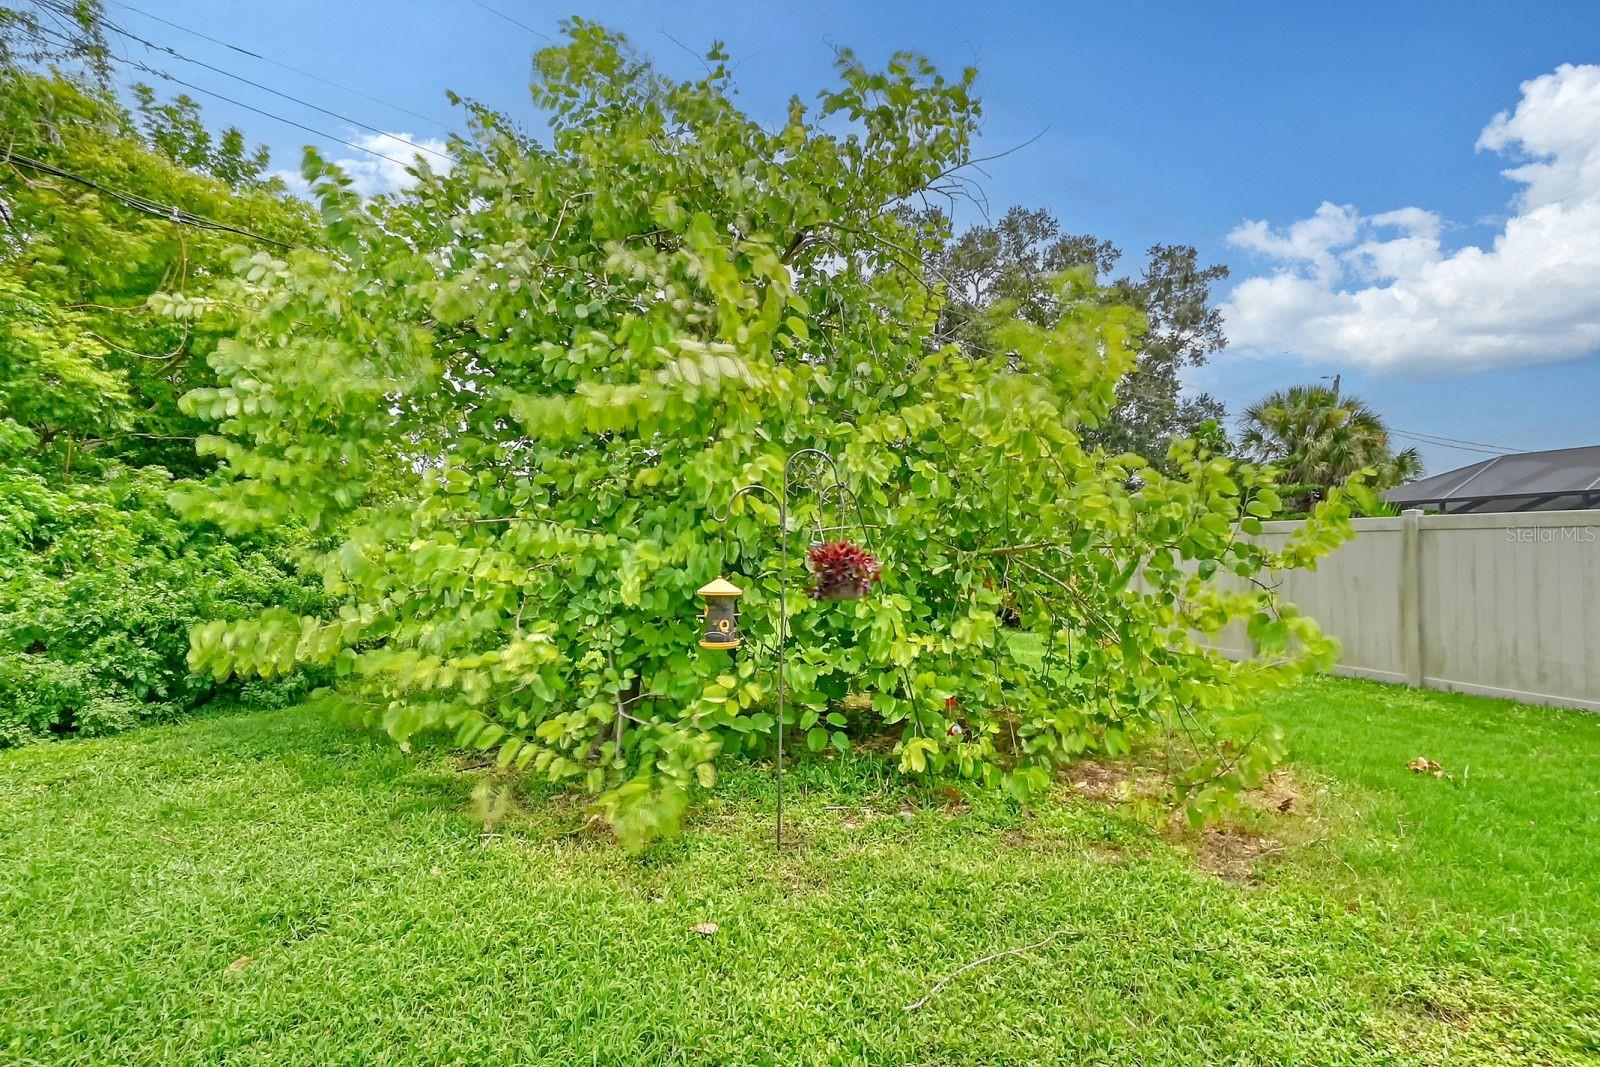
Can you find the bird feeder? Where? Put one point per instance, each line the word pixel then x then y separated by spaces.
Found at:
pixel 722 612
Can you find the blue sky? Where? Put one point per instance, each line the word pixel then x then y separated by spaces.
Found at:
pixel 1175 123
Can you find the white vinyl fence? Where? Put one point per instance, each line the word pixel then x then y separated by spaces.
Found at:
pixel 1505 605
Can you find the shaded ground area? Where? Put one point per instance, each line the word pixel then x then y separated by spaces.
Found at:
pixel 272 888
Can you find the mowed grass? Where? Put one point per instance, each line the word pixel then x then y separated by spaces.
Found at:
pixel 1512 830
pixel 275 888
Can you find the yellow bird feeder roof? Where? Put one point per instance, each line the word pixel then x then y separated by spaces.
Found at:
pixel 719 587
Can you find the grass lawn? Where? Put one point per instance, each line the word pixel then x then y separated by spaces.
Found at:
pixel 274 888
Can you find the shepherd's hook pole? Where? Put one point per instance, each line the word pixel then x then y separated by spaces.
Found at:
pixel 783 637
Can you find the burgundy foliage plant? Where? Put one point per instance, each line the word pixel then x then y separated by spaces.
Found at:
pixel 842 570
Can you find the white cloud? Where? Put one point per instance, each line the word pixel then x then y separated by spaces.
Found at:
pixel 1309 241
pixel 1379 292
pixel 372 175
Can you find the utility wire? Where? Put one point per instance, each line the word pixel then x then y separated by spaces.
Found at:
pixel 269 89
pixel 170 213
pixel 304 103
pixel 1441 439
pixel 268 114
pixel 229 99
pixel 1460 443
pixel 285 66
pixel 158 72
pixel 515 22
pixel 168 76
pixel 1237 408
pixel 1447 444
pixel 148 69
pixel 1235 354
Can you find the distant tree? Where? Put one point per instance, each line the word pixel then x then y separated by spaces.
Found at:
pixel 1012 262
pixel 1318 437
pixel 174 127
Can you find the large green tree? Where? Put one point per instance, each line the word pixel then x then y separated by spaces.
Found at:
pixel 90 252
pixel 1319 437
pixel 523 395
pixel 1011 263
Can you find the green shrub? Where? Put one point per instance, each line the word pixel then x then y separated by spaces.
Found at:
pixel 99 585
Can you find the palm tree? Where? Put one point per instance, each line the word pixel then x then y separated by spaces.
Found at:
pixel 1318 437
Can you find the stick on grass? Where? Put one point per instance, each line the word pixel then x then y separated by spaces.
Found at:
pixel 917 1005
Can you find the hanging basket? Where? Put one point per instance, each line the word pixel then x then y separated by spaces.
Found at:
pixel 842 570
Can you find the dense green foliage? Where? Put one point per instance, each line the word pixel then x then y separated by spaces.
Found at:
pixel 214 892
pixel 1318 438
pixel 89 371
pixel 1013 262
pixel 100 584
pixel 522 395
pixel 99 580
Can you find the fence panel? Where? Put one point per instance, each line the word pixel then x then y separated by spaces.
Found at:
pixel 1510 605
pixel 1502 605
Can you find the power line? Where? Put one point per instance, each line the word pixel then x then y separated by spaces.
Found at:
pixel 285 66
pixel 267 88
pixel 1437 443
pixel 171 213
pixel 168 76
pixel 251 107
pixel 1459 441
pixel 515 22
pixel 1238 416
pixel 148 69
pixel 1441 444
